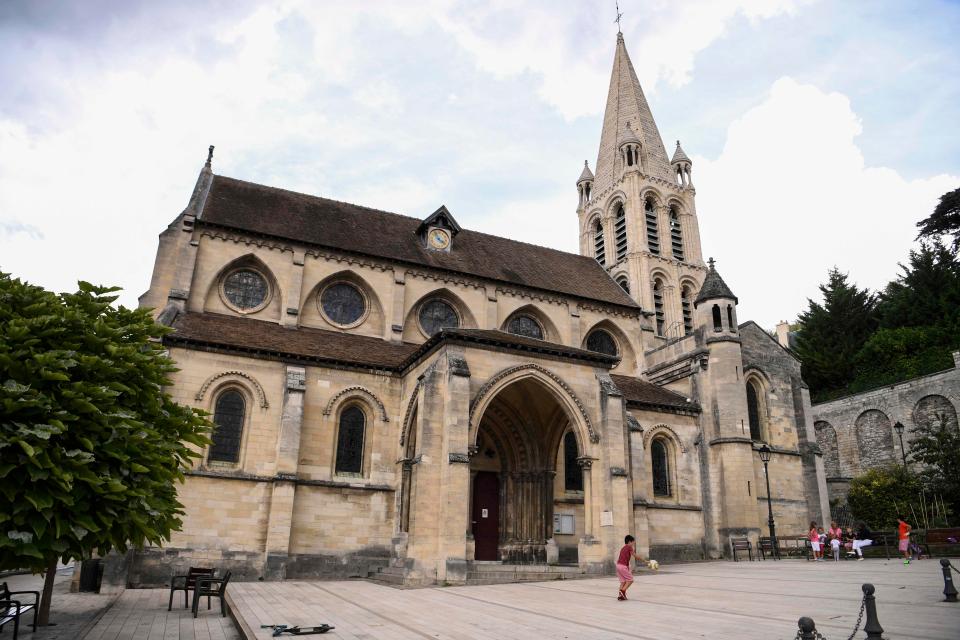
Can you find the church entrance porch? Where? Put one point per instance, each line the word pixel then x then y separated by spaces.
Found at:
pixel 513 471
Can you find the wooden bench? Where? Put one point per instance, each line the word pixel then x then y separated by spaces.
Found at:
pixel 766 546
pixel 741 544
pixel 11 609
pixel 941 539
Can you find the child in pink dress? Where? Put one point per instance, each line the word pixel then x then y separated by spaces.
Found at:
pixel 814 537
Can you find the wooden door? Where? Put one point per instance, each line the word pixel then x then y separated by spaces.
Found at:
pixel 486 515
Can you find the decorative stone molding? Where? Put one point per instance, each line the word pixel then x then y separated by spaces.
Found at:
pixel 618 472
pixel 662 428
pixel 257 389
pixel 607 386
pixel 492 382
pixel 457 365
pixel 296 379
pixel 357 390
pixel 411 403
pixel 634 424
pixel 459 458
pixel 585 462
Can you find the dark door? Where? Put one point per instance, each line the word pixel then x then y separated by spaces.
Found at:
pixel 486 515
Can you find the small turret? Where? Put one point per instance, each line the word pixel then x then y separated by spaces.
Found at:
pixel 630 148
pixel 682 168
pixel 585 184
pixel 715 304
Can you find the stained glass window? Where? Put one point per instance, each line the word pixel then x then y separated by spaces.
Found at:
pixel 228 420
pixel 436 315
pixel 343 303
pixel 524 325
pixel 572 473
pixel 245 289
pixel 602 342
pixel 350 441
pixel 660 466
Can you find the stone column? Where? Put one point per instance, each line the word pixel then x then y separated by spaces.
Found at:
pixel 280 518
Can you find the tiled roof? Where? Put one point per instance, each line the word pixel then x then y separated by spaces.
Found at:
pixel 254 208
pixel 234 334
pixel 640 392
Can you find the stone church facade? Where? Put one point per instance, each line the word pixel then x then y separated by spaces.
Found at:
pixel 402 395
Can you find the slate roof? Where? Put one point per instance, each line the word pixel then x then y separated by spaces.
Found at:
pixel 642 393
pixel 219 332
pixel 713 287
pixel 679 155
pixel 257 209
pixel 586 174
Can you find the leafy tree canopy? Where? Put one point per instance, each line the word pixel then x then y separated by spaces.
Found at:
pixel 880 494
pixel 90 445
pixel 945 219
pixel 935 445
pixel 927 292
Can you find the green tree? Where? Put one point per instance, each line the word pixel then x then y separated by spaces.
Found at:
pixel 832 333
pixel 926 293
pixel 90 445
pixel 893 355
pixel 936 446
pixel 945 219
pixel 880 494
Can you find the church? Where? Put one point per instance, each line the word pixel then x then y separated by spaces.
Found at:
pixel 403 398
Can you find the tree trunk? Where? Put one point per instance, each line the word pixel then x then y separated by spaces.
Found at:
pixel 43 614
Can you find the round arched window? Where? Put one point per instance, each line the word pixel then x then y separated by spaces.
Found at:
pixel 436 315
pixel 246 289
pixel 525 325
pixel 602 342
pixel 343 304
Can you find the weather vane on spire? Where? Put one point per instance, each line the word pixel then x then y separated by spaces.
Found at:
pixel 619 15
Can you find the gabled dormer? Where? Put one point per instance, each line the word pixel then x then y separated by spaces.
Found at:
pixel 437 230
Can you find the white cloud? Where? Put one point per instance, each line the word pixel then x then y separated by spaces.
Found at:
pixel 790 196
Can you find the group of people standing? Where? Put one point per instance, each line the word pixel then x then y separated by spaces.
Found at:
pixel 854 540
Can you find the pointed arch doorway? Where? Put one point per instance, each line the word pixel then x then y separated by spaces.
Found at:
pixel 517 439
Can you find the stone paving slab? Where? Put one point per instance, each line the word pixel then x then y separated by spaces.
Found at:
pixel 746 600
pixel 71 613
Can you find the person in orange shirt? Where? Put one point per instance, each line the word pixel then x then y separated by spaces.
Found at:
pixel 903 535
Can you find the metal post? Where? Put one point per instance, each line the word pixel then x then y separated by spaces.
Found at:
pixel 770 523
pixel 949 590
pixel 872 627
pixel 903 452
pixel 808 630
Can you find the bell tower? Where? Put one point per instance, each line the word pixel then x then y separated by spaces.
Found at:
pixel 637 209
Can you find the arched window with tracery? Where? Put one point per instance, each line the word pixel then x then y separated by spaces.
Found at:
pixel 660 466
pixel 653 235
pixel 685 294
pixel 572 474
pixel 717 319
pixel 620 231
pixel 350 437
pixel 599 250
pixel 658 305
pixel 755 410
pixel 602 342
pixel 228 416
pixel 524 324
pixel 676 234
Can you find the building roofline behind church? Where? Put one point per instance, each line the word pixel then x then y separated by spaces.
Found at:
pixel 228 216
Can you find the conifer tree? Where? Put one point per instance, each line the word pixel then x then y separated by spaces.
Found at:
pixel 945 219
pixel 832 333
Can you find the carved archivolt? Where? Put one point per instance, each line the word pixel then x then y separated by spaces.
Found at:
pixel 662 428
pixel 357 390
pixel 496 379
pixel 405 427
pixel 257 389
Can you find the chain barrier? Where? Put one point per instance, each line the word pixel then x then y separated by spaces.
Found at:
pixel 811 633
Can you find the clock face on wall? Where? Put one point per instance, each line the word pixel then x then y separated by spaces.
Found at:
pixel 439 239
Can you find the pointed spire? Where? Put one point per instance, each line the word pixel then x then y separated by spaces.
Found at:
pixel 679 155
pixel 202 188
pixel 626 103
pixel 714 287
pixel 586 174
pixel 209 157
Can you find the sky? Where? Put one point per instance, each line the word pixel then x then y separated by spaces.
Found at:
pixel 820 132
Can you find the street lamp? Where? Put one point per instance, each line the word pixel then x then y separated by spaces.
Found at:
pixel 898 427
pixel 765 452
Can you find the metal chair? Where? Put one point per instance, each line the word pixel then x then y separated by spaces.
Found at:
pixel 186 583
pixel 211 587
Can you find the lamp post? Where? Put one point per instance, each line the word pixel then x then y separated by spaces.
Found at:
pixel 898 427
pixel 765 452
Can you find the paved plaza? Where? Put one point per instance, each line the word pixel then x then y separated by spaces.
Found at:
pixel 745 600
